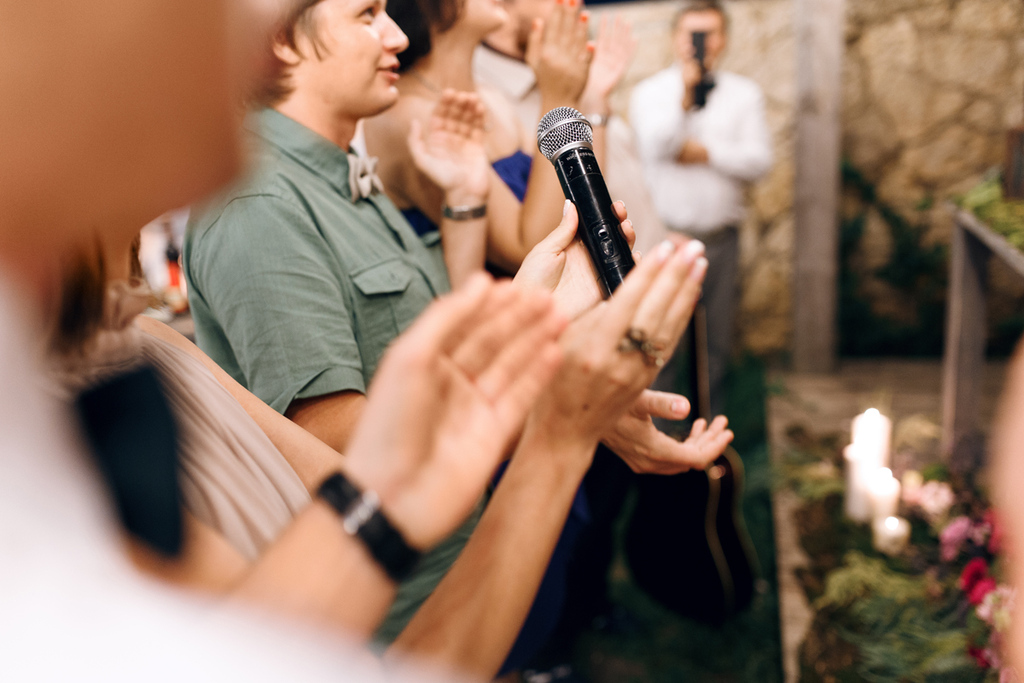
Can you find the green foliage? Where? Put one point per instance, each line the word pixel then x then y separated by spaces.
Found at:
pixel 905 627
pixel 915 270
pixel 1004 216
pixel 935 471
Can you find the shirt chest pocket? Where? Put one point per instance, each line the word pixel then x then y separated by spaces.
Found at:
pixel 389 296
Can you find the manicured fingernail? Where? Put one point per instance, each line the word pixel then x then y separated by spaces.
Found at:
pixel 565 207
pixel 692 250
pixel 664 250
pixel 677 406
pixel 699 270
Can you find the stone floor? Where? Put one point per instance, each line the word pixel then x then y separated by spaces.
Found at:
pixel 827 403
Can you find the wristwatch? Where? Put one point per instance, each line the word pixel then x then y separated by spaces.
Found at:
pixel 362 517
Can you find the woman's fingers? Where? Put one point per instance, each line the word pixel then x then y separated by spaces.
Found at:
pixel 534 42
pixel 528 382
pixel 679 313
pixel 511 310
pixel 519 350
pixel 664 292
pixel 629 232
pixel 616 315
pixel 559 239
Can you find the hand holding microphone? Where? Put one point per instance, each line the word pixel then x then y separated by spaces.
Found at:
pixel 565 138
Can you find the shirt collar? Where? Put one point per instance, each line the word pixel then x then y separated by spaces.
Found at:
pixel 515 76
pixel 312 150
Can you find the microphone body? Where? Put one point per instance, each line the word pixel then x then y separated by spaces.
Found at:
pixel 599 229
pixel 565 138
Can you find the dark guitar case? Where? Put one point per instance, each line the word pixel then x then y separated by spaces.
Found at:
pixel 687 544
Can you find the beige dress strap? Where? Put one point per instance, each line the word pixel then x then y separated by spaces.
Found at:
pixel 233 478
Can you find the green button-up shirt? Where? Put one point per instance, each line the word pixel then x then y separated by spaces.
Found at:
pixel 296 290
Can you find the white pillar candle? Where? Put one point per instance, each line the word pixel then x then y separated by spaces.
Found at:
pixel 858 468
pixel 890 535
pixel 872 432
pixel 884 492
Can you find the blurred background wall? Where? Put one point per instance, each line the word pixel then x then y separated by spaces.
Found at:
pixel 930 89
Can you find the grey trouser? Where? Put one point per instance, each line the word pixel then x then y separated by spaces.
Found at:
pixel 720 295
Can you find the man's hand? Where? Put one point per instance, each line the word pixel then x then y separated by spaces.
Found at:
pixel 560 264
pixel 613 52
pixel 448 398
pixel 559 54
pixel 451 151
pixel 693 152
pixel 646 450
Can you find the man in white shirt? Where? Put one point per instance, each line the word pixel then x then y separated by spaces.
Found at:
pixel 500 63
pixel 698 161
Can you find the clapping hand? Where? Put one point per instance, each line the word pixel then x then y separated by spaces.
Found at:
pixel 613 52
pixel 447 400
pixel 451 150
pixel 606 368
pixel 559 54
pixel 646 450
pixel 560 264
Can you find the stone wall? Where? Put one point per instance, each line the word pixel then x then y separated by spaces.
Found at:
pixel 930 88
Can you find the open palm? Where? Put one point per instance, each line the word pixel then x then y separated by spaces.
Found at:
pixel 448 398
pixel 450 151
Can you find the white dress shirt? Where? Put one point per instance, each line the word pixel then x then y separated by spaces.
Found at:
pixel 71 606
pixel 622 170
pixel 700 198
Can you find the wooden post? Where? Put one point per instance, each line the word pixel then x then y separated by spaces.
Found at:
pixel 964 358
pixel 820 31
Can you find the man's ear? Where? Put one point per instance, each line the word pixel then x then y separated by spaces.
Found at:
pixel 285 52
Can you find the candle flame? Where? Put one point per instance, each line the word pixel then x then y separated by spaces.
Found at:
pixel 892 523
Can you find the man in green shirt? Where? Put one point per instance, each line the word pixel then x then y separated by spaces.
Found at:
pixel 301 275
pixel 296 290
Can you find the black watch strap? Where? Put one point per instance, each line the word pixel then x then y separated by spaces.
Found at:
pixel 361 516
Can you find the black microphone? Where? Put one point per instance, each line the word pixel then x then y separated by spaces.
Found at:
pixel 707 82
pixel 566 138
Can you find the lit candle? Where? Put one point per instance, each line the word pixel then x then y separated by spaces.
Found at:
pixel 872 433
pixel 890 535
pixel 858 469
pixel 884 492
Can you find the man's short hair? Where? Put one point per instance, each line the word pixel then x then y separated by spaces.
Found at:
pixel 700 6
pixel 300 21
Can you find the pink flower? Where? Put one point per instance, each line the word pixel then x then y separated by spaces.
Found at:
pixel 953 536
pixel 997 608
pixel 975 571
pixel 977 595
pixel 980 532
pixel 935 499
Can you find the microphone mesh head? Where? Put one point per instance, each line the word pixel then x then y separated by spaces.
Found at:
pixel 560 127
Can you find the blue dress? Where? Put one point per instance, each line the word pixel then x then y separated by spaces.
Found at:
pixel 514 170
